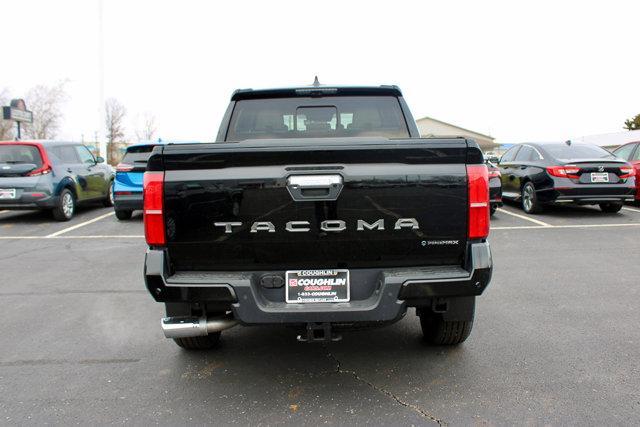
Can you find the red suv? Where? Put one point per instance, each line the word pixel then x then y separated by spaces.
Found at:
pixel 631 153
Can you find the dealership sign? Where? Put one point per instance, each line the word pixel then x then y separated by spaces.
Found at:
pixel 17 111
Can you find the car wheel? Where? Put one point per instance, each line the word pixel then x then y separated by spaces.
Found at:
pixel 438 331
pixel 199 343
pixel 66 206
pixel 530 203
pixel 611 207
pixel 108 202
pixel 493 209
pixel 123 215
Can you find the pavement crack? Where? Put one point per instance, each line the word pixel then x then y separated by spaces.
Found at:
pixel 354 374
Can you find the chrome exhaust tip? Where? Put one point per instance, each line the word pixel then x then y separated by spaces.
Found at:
pixel 182 327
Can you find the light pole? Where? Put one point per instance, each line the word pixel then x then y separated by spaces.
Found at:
pixel 102 143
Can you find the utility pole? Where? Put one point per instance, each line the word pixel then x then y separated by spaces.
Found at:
pixel 101 140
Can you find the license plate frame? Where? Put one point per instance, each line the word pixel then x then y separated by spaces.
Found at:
pixel 599 177
pixel 326 286
pixel 7 193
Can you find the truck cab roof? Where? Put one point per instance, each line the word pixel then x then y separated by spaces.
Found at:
pixel 316 91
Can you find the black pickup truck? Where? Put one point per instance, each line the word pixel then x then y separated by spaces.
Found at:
pixel 320 208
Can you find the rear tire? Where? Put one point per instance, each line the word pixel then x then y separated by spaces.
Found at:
pixel 199 343
pixel 437 331
pixel 66 206
pixel 108 202
pixel 123 215
pixel 530 203
pixel 612 207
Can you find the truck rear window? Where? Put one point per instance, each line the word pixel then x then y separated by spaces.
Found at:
pixel 300 117
pixel 20 154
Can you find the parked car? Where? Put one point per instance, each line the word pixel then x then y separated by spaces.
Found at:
pixel 52 175
pixel 495 187
pixel 127 189
pixel 318 208
pixel 565 172
pixel 631 153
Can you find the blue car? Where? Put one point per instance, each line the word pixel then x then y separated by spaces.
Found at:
pixel 127 188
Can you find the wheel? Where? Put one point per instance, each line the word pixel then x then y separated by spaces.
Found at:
pixel 493 209
pixel 108 202
pixel 199 343
pixel 530 203
pixel 123 215
pixel 612 207
pixel 438 331
pixel 66 206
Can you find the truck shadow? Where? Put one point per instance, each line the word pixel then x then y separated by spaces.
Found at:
pixel 271 355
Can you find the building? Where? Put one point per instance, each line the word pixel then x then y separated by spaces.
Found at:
pixel 430 127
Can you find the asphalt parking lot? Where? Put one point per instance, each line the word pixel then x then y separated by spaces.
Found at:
pixel 556 339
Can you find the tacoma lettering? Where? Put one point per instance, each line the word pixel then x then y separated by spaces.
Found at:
pixel 332 225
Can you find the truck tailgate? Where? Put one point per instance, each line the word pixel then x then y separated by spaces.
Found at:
pixel 392 203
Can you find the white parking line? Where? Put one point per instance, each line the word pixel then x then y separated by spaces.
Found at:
pixel 82 224
pixel 105 236
pixel 631 209
pixel 535 221
pixel 537 227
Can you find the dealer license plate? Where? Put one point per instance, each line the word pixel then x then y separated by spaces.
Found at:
pixel 7 193
pixel 307 286
pixel 599 176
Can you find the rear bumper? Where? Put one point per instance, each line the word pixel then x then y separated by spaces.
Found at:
pixel 588 194
pixel 378 295
pixel 29 203
pixel 131 202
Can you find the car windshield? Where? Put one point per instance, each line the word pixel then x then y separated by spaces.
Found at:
pixel 138 154
pixel 302 117
pixel 17 153
pixel 562 151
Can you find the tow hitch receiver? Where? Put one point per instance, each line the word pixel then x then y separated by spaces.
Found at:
pixel 319 332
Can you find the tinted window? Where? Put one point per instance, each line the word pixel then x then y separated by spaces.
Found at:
pixel 636 155
pixel 563 151
pixel 65 154
pixel 138 154
pixel 85 155
pixel 525 154
pixel 20 154
pixel 509 155
pixel 340 116
pixel 624 152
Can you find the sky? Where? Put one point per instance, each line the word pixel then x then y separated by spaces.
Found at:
pixel 517 70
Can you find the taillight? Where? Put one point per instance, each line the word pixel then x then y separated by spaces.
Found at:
pixel 153 208
pixel 124 167
pixel 567 171
pixel 627 171
pixel 478 185
pixel 494 174
pixel 44 170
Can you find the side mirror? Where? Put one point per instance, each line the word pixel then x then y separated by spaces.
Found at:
pixel 99 159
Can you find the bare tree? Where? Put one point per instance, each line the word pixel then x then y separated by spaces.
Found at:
pixel 114 120
pixel 147 130
pixel 46 104
pixel 6 126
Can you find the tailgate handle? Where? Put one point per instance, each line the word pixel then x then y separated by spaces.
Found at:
pixel 314 187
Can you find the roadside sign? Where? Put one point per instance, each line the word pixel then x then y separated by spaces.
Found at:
pixel 17 112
